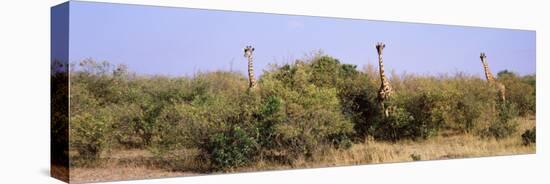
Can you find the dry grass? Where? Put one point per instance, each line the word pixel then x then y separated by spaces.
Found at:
pixel 139 164
pixel 437 148
pixel 120 172
pixel 125 165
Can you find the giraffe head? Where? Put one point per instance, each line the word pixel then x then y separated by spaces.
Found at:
pixel 483 57
pixel 379 47
pixel 248 51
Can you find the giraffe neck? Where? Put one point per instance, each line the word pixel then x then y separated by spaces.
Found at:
pixel 488 75
pixel 251 79
pixel 381 68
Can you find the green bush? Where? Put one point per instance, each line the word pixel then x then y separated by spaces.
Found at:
pixel 426 110
pixel 341 141
pixel 412 116
pixel 230 149
pixel 394 127
pixel 468 109
pixel 529 136
pixel 467 103
pixel 269 115
pixel 504 125
pixel 308 116
pixel 520 91
pixel 299 110
pixel 90 133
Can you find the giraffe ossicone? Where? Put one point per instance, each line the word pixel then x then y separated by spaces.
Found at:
pixel 379 47
pixel 248 51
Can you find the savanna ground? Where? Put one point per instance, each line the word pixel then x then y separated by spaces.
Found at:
pixel 314 112
pixel 138 164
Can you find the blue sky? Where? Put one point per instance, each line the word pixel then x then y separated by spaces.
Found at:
pixel 182 41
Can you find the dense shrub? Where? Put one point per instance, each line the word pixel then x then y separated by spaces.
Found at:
pixel 90 133
pixel 529 136
pixel 356 92
pixel 504 125
pixel 394 127
pixel 269 115
pixel 427 112
pixel 230 149
pixel 298 110
pixel 471 106
pixel 90 120
pixel 137 124
pixel 415 113
pixel 411 117
pixel 520 91
pixel 308 115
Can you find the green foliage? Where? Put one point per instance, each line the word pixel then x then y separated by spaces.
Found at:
pixel 329 72
pixel 394 127
pixel 520 91
pixel 504 125
pixel 426 109
pixel 417 115
pixel 230 149
pixel 529 136
pixel 298 110
pixel 308 113
pixel 471 104
pixel 270 115
pixel 341 141
pixel 90 133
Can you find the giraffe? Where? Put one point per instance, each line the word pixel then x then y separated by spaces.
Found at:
pixel 385 90
pixel 248 50
pixel 491 79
